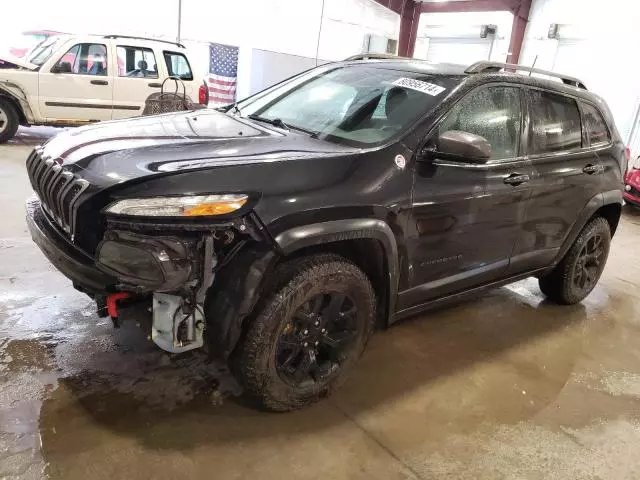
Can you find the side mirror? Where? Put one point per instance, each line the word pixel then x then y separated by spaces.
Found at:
pixel 62 67
pixel 463 147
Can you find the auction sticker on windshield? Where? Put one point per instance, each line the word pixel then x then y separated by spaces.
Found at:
pixel 419 85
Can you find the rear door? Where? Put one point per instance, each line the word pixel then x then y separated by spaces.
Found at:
pixel 79 86
pixel 567 175
pixel 466 216
pixel 139 75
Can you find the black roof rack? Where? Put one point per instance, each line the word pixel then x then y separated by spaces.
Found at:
pixel 146 38
pixel 488 67
pixel 374 56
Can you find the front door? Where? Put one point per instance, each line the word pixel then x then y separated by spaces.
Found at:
pixel 137 77
pixel 466 215
pixel 79 87
pixel 568 175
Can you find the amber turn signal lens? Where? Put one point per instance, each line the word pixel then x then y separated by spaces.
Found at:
pixel 217 208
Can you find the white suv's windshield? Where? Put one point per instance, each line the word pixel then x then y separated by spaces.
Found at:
pixel 44 50
pixel 359 105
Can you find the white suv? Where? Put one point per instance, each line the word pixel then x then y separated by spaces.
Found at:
pixel 70 80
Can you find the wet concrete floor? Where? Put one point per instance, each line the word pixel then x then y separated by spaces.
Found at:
pixel 503 387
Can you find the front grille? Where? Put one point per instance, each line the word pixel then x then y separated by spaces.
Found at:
pixel 57 188
pixel 633 191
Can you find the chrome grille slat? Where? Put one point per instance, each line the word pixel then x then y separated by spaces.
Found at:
pixel 57 188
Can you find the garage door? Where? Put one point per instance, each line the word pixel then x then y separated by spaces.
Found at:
pixel 463 51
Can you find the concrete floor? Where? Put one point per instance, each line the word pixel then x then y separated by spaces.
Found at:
pixel 505 387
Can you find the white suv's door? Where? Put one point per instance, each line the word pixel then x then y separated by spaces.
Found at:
pixel 79 85
pixel 139 74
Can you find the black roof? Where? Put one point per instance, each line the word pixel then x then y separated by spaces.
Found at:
pixel 453 70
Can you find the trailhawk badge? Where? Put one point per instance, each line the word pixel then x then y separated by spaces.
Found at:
pixel 401 162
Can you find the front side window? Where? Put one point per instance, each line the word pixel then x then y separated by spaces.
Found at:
pixel 359 105
pixel 595 125
pixel 178 65
pixel 494 113
pixel 84 59
pixel 555 123
pixel 136 62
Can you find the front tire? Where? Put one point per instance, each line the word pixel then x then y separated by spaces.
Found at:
pixel 9 121
pixel 580 269
pixel 308 333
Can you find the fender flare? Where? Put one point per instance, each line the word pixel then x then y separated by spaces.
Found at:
pixel 596 202
pixel 296 238
pixel 237 288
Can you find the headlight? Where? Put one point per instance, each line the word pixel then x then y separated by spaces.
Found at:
pixel 192 206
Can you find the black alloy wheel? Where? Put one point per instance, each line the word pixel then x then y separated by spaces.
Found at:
pixel 313 345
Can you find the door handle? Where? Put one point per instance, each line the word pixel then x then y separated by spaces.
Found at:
pixel 99 82
pixel 155 85
pixel 590 169
pixel 516 179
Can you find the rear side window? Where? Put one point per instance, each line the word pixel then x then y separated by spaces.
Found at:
pixel 493 113
pixel 595 125
pixel 555 123
pixel 178 65
pixel 136 62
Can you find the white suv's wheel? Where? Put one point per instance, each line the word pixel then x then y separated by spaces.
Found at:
pixel 8 121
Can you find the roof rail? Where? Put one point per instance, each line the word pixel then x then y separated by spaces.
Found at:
pixel 487 67
pixel 146 38
pixel 374 56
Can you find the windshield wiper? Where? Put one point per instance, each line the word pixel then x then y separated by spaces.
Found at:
pixel 277 122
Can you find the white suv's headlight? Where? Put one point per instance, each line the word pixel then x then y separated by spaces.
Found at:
pixel 189 206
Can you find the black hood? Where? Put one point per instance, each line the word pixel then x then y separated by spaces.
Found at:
pixel 116 152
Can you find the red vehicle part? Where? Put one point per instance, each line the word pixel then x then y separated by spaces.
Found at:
pixel 112 303
pixel 632 186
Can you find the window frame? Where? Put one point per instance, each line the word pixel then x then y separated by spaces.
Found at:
pixel 138 47
pixel 171 52
pixel 523 137
pixel 553 155
pixel 609 141
pixel 106 56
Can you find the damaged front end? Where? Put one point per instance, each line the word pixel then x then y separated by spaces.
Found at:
pixel 174 263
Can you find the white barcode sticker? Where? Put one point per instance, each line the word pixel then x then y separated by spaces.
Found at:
pixel 420 86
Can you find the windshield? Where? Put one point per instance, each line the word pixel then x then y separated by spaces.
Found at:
pixel 358 105
pixel 41 52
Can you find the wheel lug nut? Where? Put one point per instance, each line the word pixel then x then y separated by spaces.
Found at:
pixel 317 343
pixel 306 344
pixel 323 330
pixel 317 323
pixel 305 332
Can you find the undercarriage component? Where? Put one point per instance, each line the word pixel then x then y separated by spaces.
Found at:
pixel 177 327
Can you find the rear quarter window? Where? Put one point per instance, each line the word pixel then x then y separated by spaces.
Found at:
pixel 595 126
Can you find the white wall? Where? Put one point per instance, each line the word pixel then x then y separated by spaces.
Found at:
pixel 281 26
pixel 465 25
pixel 604 57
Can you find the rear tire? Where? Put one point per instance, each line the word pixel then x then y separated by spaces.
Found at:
pixel 9 121
pixel 319 314
pixel 580 269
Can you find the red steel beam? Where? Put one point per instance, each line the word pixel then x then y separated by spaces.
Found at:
pixel 470 6
pixel 520 20
pixel 409 18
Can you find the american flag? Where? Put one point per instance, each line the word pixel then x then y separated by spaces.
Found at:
pixel 223 72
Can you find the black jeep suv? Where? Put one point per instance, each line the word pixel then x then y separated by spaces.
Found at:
pixel 282 230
